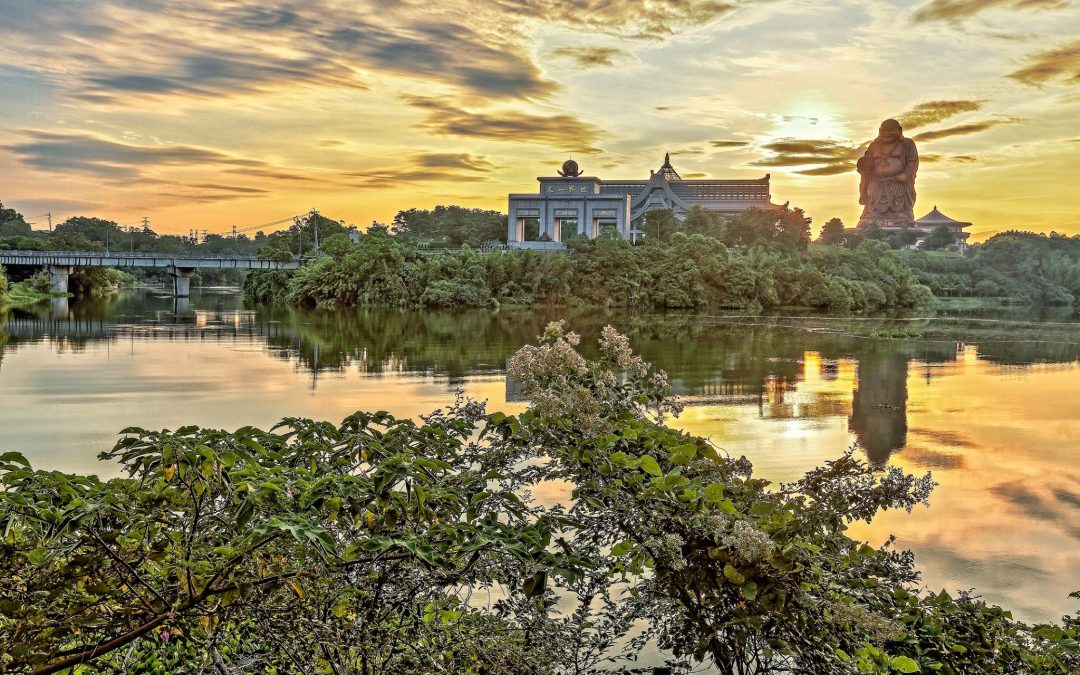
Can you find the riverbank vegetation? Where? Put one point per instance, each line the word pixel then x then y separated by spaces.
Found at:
pixel 686 271
pixel 1014 267
pixel 383 545
pixel 1011 267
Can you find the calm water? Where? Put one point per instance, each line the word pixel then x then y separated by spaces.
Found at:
pixel 990 405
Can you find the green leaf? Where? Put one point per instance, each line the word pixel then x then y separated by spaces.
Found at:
pixel 535 585
pixel 622 548
pixel 15 457
pixel 762 508
pixel 904 665
pixel 732 575
pixel 649 466
pixel 749 591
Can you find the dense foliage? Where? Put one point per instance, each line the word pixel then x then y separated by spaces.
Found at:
pixel 383 545
pixel 451 226
pixel 12 223
pixel 687 271
pixel 1018 267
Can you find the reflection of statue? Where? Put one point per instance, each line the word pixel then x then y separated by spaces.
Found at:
pixel 887 184
pixel 879 405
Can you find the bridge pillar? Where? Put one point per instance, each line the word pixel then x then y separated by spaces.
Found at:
pixel 181 280
pixel 60 309
pixel 58 276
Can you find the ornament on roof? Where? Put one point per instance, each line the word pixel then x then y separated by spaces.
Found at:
pixel 570 169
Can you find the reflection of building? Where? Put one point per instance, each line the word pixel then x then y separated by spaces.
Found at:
pixel 574 204
pixel 879 405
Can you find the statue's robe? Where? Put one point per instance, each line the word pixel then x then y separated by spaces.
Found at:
pixel 887 199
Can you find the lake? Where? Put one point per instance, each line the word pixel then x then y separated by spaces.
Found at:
pixel 989 403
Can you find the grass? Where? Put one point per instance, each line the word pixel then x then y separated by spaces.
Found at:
pixel 23 295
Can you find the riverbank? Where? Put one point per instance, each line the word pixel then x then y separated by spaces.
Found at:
pixel 684 272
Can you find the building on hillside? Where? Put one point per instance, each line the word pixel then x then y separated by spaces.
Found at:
pixel 935 219
pixel 574 204
pixel 924 226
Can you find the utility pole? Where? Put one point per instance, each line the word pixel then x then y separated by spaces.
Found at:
pixel 315 226
pixel 49 216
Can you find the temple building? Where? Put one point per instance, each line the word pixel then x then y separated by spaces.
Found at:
pixel 574 204
pixel 935 219
pixel 927 224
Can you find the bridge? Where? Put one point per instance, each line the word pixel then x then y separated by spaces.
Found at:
pixel 180 267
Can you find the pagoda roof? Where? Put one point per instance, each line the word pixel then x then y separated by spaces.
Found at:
pixel 936 217
pixel 668 171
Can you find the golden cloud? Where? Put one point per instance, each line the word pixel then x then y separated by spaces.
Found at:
pixel 936 111
pixel 1062 63
pixel 956 10
pixel 591 57
pixel 445 117
pixel 961 129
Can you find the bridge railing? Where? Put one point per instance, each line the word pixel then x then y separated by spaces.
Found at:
pixel 137 255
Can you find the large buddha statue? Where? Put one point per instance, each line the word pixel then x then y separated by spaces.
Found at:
pixel 887 183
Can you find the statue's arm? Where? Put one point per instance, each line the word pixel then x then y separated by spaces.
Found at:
pixel 865 164
pixel 911 166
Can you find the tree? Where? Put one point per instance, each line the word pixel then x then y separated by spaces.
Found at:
pixel 700 221
pixel 12 223
pixel 451 225
pixel 792 228
pixel 98 230
pixel 940 237
pixel 659 224
pixel 873 232
pixel 904 238
pixel 832 232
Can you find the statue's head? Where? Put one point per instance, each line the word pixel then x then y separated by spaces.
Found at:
pixel 890 131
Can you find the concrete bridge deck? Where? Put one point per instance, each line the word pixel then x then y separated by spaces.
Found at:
pixel 181 266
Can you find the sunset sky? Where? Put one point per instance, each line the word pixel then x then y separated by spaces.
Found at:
pixel 204 114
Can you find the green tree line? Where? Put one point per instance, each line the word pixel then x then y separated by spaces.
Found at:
pixel 683 271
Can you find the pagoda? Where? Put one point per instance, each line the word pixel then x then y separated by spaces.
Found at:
pixel 936 219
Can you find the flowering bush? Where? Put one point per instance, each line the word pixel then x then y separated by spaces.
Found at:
pixel 384 545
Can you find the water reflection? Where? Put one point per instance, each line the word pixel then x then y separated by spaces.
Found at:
pixel 989 403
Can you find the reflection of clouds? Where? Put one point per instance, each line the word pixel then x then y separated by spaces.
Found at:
pixel 933 459
pixel 1057 505
pixel 941 437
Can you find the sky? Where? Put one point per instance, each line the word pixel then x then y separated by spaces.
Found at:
pixel 206 114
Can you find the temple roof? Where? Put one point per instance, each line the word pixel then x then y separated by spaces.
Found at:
pixel 936 217
pixel 667 171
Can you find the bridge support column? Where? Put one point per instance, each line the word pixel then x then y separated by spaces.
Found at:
pixel 181 280
pixel 58 276
pixel 60 309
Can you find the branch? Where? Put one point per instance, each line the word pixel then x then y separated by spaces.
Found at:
pixel 128 567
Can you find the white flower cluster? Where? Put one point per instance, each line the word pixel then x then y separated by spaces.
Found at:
pixel 749 542
pixel 561 383
pixel 668 550
pixel 876 627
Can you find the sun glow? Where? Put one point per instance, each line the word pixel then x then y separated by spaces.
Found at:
pixel 805 122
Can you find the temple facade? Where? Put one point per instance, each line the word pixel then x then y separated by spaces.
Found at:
pixel 935 219
pixel 571 203
pixel 925 225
